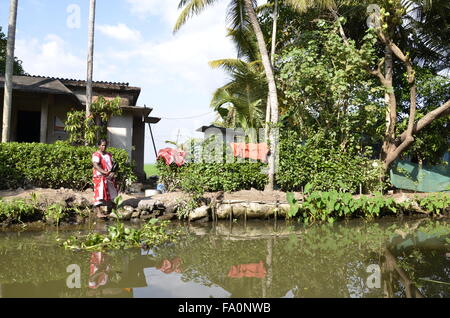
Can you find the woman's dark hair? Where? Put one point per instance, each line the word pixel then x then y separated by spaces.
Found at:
pixel 102 140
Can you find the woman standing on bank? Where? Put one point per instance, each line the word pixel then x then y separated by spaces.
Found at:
pixel 105 188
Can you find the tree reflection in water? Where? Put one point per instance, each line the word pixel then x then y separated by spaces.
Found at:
pixel 255 261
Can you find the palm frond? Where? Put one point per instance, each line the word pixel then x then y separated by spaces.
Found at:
pixel 303 5
pixel 229 65
pixel 191 7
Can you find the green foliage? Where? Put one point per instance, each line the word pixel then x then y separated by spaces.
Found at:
pixel 210 177
pixel 55 165
pixel 242 101
pixel 293 205
pixel 151 170
pixel 17 68
pixel 325 86
pixel 55 213
pixel 18 211
pixel 84 130
pixel 431 143
pixel 120 237
pixel 329 206
pixel 187 206
pixel 324 165
pixel 435 203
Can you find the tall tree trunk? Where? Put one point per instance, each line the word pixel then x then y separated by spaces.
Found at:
pixel 272 61
pixel 272 91
pixel 393 146
pixel 391 103
pixel 90 58
pixel 9 69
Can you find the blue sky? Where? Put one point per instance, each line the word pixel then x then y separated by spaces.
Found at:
pixel 134 43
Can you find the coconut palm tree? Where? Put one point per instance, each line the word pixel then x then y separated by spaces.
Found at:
pixel 90 64
pixel 9 70
pixel 90 57
pixel 241 102
pixel 247 8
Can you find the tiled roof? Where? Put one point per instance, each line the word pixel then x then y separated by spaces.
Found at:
pixel 37 84
pixel 83 82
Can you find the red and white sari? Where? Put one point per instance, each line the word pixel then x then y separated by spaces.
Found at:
pixel 105 189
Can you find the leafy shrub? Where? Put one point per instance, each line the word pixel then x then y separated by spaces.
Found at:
pixel 118 237
pixel 324 166
pixel 54 165
pixel 435 202
pixel 210 177
pixel 329 206
pixel 18 211
pixel 84 130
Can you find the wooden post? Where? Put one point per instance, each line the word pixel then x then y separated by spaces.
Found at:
pixel 231 218
pixel 276 214
pixel 153 140
pixel 245 219
pixel 9 69
pixel 44 119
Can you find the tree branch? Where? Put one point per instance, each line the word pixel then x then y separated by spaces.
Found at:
pixel 442 110
pixel 378 73
pixel 341 29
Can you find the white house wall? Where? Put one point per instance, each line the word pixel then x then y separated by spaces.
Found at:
pixel 120 133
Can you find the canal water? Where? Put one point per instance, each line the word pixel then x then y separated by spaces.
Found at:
pixel 357 258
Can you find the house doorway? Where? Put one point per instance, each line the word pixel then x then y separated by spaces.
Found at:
pixel 28 126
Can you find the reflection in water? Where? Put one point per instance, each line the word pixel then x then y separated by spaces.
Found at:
pixel 170 266
pixel 98 270
pixel 251 261
pixel 248 270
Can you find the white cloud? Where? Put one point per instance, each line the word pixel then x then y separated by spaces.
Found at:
pixel 172 70
pixel 167 9
pixel 49 57
pixel 120 32
pixel 182 59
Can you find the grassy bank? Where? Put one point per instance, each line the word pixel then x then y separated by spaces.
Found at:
pixel 151 169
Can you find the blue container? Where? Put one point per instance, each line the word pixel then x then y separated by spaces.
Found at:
pixel 161 188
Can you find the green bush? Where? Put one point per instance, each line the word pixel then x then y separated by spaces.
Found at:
pixel 317 161
pixel 210 177
pixel 330 206
pixel 435 202
pixel 324 166
pixel 18 211
pixel 55 165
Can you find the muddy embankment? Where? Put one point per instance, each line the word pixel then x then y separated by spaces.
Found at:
pixel 242 205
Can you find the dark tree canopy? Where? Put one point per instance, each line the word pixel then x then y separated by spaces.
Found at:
pixel 18 69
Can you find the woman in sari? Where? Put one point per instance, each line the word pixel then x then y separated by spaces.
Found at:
pixel 105 188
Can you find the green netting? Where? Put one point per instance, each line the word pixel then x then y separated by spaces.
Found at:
pixel 411 176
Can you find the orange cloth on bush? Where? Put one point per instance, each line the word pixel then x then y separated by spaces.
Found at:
pixel 250 150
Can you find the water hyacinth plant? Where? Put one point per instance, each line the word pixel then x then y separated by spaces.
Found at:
pixel 118 236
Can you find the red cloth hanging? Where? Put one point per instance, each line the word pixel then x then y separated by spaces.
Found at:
pixel 256 151
pixel 172 155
